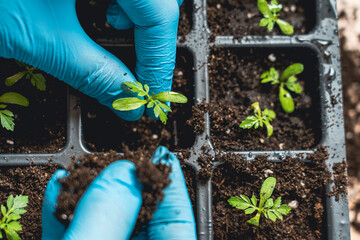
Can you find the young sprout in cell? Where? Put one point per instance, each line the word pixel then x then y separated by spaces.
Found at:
pixel 156 102
pixel 287 80
pixel 259 119
pixel 9 223
pixel 267 206
pixel 37 79
pixel 6 116
pixel 271 16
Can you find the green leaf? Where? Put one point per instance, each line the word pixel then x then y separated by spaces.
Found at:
pixel 14 225
pixel 256 107
pixel 248 122
pixel 270 114
pixel 272 216
pixel 19 211
pixel 164 106
pixel 147 89
pixel 286 100
pixel 238 203
pixel 264 8
pixel 292 70
pixel 14 98
pixel 293 86
pixel 266 80
pixel 265 74
pixel 10 202
pixel 274 73
pixel 3 210
pixel 141 94
pixel 171 97
pixel 266 190
pixel 269 203
pixel 284 209
pixel 1 236
pixel 278 214
pixel 250 210
pixel 157 111
pixel 269 129
pixel 245 198
pixel 38 80
pixel 14 78
pixel 7 122
pixel 12 235
pixel 163 117
pixel 151 104
pixel 270 26
pixel 253 200
pixel 127 104
pixel 285 27
pixel 134 86
pixel 13 216
pixel 264 22
pixel 277 203
pixel 20 201
pixel 255 220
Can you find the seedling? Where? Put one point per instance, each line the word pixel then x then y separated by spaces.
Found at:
pixel 156 102
pixel 6 116
pixel 287 79
pixel 260 119
pixel 267 206
pixel 36 79
pixel 9 224
pixel 271 14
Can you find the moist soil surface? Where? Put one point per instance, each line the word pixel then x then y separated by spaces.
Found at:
pixel 92 17
pixel 29 181
pixel 40 127
pixel 235 84
pixel 103 130
pixel 300 185
pixel 241 18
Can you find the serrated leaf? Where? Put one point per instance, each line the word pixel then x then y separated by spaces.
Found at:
pixel 294 86
pixel 270 26
pixel 270 114
pixel 274 73
pixel 7 122
pixel 278 215
pixel 263 22
pixel 14 217
pixel 238 203
pixel 264 8
pixel 277 203
pixel 250 210
pixel 157 111
pixel 38 80
pixel 20 211
pixel 248 122
pixel 254 200
pixel 284 209
pixel 269 129
pixel 163 117
pixel 269 203
pixel 292 70
pixel 127 104
pixel 266 190
pixel 272 216
pixel 3 210
pixel 245 198
pixel 14 225
pixel 14 98
pixel 14 78
pixel 12 235
pixel 150 104
pixel 10 202
pixel 285 27
pixel 20 201
pixel 164 106
pixel 3 106
pixel 171 97
pixel 147 89
pixel 134 86
pixel 287 103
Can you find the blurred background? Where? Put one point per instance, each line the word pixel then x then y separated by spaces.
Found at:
pixel 349 30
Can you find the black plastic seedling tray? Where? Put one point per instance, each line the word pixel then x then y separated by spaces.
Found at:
pixel 322 40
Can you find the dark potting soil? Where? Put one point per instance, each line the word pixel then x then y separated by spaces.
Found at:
pixel 103 130
pixel 83 171
pixel 235 84
pixel 241 18
pixel 300 185
pixel 32 182
pixel 92 17
pixel 40 127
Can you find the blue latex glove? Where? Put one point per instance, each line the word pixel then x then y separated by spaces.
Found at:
pixel 46 34
pixel 109 208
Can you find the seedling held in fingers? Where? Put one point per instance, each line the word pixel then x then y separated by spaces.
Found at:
pixel 267 206
pixel 260 119
pixel 271 14
pixel 37 79
pixel 9 222
pixel 156 102
pixel 6 116
pixel 287 80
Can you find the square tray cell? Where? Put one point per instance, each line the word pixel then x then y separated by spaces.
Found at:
pixel 241 18
pixel 296 185
pixel 92 17
pixel 103 130
pixel 40 127
pixel 234 75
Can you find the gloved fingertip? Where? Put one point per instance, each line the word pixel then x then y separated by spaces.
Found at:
pixel 117 18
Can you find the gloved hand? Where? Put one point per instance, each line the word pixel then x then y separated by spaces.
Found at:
pixel 46 34
pixel 109 207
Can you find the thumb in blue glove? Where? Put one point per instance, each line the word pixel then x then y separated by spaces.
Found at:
pixel 109 207
pixel 47 35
